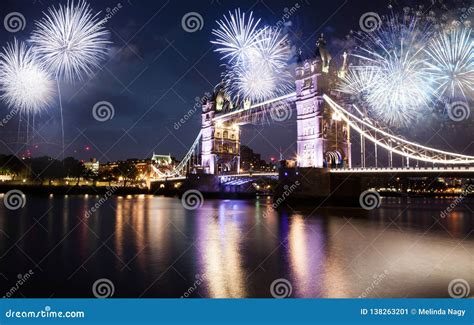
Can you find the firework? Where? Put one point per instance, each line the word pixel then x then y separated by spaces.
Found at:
pixel 392 72
pixel 252 81
pixel 25 85
pixel 256 58
pixel 71 40
pixel 359 80
pixel 262 73
pixel 272 49
pixel 451 63
pixel 236 36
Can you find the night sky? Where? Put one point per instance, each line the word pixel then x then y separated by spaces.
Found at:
pixel 156 70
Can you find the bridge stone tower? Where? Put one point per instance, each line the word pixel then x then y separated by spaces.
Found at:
pixel 323 138
pixel 220 148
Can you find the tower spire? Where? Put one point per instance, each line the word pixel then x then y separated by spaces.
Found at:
pixel 324 53
pixel 299 59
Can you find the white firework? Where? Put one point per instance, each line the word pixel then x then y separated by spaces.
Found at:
pixel 24 84
pixel 236 36
pixel 262 73
pixel 71 40
pixel 451 63
pixel 252 81
pixel 256 58
pixel 392 72
pixel 272 49
pixel 359 80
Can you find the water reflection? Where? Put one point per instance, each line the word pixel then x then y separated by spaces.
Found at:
pixel 153 247
pixel 306 252
pixel 219 250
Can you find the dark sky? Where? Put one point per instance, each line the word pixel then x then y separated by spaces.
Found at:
pixel 156 70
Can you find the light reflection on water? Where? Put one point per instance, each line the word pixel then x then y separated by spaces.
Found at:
pixel 153 247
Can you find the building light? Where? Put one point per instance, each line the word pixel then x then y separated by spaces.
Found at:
pixel 336 116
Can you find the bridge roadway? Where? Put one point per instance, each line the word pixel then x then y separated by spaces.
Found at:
pixel 372 172
pixel 408 172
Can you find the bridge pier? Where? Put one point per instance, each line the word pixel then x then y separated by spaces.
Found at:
pixel 318 186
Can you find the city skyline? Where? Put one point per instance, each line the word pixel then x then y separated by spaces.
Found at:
pixel 247 149
pixel 149 96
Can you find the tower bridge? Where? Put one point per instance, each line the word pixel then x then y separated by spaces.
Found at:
pixel 325 120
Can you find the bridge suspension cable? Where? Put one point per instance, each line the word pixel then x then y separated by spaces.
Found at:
pixel 180 169
pixel 395 144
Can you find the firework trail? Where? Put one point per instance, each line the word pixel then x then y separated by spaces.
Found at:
pixel 71 41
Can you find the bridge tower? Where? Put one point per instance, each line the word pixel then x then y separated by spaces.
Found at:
pixel 323 139
pixel 220 149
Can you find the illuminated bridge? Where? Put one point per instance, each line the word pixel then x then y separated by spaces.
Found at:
pixel 326 122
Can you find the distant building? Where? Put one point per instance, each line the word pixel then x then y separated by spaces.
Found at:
pixel 93 165
pixel 142 165
pixel 251 161
pixel 163 164
pixel 161 160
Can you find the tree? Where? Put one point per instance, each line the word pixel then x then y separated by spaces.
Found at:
pixel 46 168
pixel 107 175
pixel 12 165
pixel 127 170
pixel 73 168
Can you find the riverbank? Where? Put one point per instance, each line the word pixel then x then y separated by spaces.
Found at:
pixel 45 190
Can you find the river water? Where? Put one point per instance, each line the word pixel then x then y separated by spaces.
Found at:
pixel 147 246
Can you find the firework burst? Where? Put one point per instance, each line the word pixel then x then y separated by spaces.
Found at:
pixel 71 40
pixel 262 73
pixel 451 63
pixel 256 58
pixel 272 49
pixel 392 72
pixel 25 85
pixel 236 36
